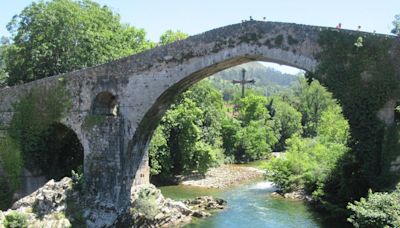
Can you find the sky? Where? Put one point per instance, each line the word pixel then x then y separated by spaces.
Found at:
pixel 197 16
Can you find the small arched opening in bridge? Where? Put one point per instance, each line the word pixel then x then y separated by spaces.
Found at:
pixel 61 152
pixel 56 153
pixel 105 104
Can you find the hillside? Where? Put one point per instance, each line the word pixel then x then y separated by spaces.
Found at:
pixel 267 80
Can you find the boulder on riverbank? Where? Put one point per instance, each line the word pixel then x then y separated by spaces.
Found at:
pixel 203 205
pixel 294 195
pixel 151 209
pixel 44 207
pixel 57 204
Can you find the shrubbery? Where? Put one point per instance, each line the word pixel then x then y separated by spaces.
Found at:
pixel 379 209
pixel 188 138
pixel 309 162
pixel 16 220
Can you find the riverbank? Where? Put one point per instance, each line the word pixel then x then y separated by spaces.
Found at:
pixel 59 204
pixel 248 205
pixel 224 177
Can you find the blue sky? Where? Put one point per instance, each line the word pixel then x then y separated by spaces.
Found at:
pixel 194 17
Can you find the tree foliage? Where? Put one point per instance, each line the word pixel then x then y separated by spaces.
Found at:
pixel 379 209
pixel 311 100
pixel 59 36
pixel 188 138
pixel 309 162
pixel 396 25
pixel 11 161
pixel 34 114
pixel 363 80
pixel 11 165
pixel 170 36
pixel 3 73
pixel 254 141
pixel 287 121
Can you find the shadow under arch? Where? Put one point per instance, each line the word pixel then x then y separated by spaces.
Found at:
pixel 63 152
pixel 105 104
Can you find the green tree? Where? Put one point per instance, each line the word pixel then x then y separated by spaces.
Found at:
pixel 253 108
pixel 230 128
pixel 287 121
pixel 254 141
pixel 189 151
pixel 59 36
pixel 170 36
pixel 396 25
pixel 189 136
pixel 159 153
pixel 3 74
pixel 333 127
pixel 311 163
pixel 311 100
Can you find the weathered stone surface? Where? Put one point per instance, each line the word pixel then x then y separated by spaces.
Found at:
pixel 205 203
pixel 47 199
pixel 395 165
pixel 144 86
pixel 46 206
pixel 151 209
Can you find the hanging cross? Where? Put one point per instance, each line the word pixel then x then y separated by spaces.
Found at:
pixel 243 82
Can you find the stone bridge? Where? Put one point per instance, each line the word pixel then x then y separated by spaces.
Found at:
pixel 133 93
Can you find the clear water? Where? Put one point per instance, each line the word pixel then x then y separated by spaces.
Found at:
pixel 250 205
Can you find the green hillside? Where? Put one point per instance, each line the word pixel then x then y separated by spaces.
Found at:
pixel 267 80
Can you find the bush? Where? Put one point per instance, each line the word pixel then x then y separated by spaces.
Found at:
pixel 15 220
pixel 306 165
pixel 255 141
pixel 379 209
pixel 147 203
pixel 77 179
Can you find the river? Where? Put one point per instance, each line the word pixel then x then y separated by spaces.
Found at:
pixel 249 205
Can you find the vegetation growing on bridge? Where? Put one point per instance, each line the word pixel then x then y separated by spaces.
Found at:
pixel 11 162
pixel 363 80
pixel 31 130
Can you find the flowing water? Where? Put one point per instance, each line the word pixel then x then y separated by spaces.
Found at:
pixel 249 205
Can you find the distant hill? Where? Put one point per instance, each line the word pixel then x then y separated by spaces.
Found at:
pixel 267 80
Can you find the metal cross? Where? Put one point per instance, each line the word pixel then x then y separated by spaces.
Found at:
pixel 243 82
